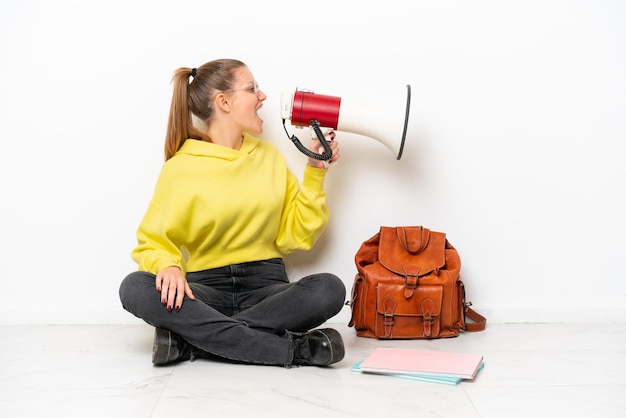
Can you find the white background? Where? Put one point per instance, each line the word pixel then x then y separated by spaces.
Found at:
pixel 515 147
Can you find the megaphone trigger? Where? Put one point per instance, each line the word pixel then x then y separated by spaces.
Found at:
pixel 328 134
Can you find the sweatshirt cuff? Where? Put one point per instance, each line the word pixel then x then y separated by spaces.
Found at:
pixel 314 177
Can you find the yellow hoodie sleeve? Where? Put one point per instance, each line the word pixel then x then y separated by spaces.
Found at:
pixel 155 251
pixel 305 213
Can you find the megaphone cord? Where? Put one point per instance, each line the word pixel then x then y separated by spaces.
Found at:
pixel 325 156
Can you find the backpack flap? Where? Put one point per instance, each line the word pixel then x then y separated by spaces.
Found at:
pixel 412 251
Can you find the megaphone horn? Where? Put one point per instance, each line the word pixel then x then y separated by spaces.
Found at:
pixel 383 119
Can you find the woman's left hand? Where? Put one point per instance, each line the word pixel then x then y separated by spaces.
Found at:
pixel 173 286
pixel 316 147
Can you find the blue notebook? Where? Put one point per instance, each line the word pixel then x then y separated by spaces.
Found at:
pixel 450 381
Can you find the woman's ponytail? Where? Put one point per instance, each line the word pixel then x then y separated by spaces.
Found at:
pixel 195 97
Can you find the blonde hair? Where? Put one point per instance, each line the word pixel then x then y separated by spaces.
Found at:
pixel 195 99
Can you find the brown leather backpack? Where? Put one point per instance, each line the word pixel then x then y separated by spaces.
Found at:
pixel 408 287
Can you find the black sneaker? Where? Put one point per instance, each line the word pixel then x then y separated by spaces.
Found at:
pixel 320 347
pixel 169 348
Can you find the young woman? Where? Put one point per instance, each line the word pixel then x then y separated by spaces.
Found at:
pixel 211 277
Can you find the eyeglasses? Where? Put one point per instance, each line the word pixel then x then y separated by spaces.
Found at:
pixel 252 87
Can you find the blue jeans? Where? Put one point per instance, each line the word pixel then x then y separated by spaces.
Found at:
pixel 244 312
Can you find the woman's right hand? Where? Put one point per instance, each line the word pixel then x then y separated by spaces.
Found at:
pixel 173 286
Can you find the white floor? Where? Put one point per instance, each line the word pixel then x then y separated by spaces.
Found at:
pixel 531 370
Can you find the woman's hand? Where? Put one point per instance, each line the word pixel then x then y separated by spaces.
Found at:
pixel 173 286
pixel 316 147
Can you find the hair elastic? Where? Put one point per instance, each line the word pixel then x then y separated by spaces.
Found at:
pixel 193 72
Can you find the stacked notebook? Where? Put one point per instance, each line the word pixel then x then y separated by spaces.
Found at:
pixel 427 366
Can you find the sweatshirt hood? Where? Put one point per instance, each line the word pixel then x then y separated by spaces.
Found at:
pixel 208 149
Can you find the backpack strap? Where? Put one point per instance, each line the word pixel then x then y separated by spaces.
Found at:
pixel 478 323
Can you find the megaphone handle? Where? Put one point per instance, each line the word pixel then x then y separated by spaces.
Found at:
pixel 326 132
pixel 320 135
pixel 325 156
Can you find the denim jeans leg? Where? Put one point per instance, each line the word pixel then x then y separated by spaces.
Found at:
pixel 298 306
pixel 203 326
pixel 242 312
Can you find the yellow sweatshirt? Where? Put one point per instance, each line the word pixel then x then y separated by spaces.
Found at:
pixel 214 206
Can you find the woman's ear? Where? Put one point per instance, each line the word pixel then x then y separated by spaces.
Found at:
pixel 222 101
